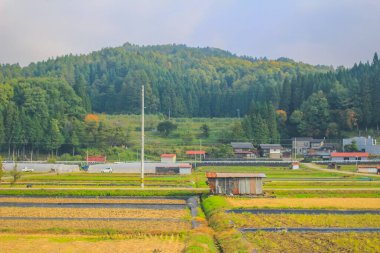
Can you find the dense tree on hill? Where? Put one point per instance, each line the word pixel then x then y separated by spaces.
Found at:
pixel 275 98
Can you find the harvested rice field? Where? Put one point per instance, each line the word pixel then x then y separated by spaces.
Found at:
pixel 42 243
pixel 95 226
pixel 247 220
pixel 317 203
pixel 314 242
pixel 156 218
pixel 93 200
pixel 91 212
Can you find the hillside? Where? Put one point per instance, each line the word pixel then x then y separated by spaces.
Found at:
pixel 199 82
pixel 43 106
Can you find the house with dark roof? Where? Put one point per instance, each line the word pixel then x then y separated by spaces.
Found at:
pixel 243 149
pixel 271 150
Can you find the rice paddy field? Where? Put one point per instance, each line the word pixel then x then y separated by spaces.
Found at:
pixel 101 225
pixel 314 242
pixel 301 211
pixel 311 203
pixel 41 243
pixel 76 212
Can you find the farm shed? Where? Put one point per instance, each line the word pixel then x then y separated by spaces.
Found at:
pixel 195 153
pixel 235 183
pixel 168 158
pixel 185 169
pixel 181 169
pixel 372 169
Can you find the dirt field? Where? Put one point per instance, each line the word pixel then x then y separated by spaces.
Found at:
pixel 17 243
pixel 339 203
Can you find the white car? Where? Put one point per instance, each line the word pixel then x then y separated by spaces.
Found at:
pixel 106 170
pixel 26 169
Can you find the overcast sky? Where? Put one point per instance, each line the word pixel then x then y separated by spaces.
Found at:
pixel 330 32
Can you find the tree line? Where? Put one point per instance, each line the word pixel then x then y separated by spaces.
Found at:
pixel 43 106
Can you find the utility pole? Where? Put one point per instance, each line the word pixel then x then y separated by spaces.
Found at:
pixel 142 136
pixel 238 113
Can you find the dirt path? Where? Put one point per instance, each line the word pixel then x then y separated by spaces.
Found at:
pixel 317 167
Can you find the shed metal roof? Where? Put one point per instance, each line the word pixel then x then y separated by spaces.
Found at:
pixel 232 175
pixel 349 154
pixel 195 152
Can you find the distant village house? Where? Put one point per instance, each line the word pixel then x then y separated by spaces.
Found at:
pixel 243 149
pixel 271 150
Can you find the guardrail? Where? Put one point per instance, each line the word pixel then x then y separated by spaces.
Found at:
pixel 348 161
pixel 241 163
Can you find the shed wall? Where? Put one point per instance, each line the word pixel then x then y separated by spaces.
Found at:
pixel 236 186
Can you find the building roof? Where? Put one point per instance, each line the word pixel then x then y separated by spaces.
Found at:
pixel 185 165
pixel 96 159
pixel 268 146
pixel 349 154
pixel 241 145
pixel 168 155
pixel 302 139
pixel 195 152
pixel 234 175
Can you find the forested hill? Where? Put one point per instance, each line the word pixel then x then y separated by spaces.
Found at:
pixel 203 82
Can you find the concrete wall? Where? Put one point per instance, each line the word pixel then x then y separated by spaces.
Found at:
pixel 43 167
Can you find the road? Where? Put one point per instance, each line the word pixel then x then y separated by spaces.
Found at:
pixel 317 167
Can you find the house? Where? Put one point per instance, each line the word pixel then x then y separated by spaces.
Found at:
pixel 310 147
pixel 243 149
pixel 322 152
pixel 365 144
pixel 168 158
pixel 370 169
pixel 271 150
pixel 301 145
pixel 349 156
pixel 235 183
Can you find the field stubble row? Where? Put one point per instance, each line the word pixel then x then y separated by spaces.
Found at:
pixel 247 220
pixel 314 242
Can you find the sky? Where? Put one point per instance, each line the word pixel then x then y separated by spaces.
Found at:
pixel 328 32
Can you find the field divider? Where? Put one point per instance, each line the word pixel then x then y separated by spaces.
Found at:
pixel 302 211
pixel 311 230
